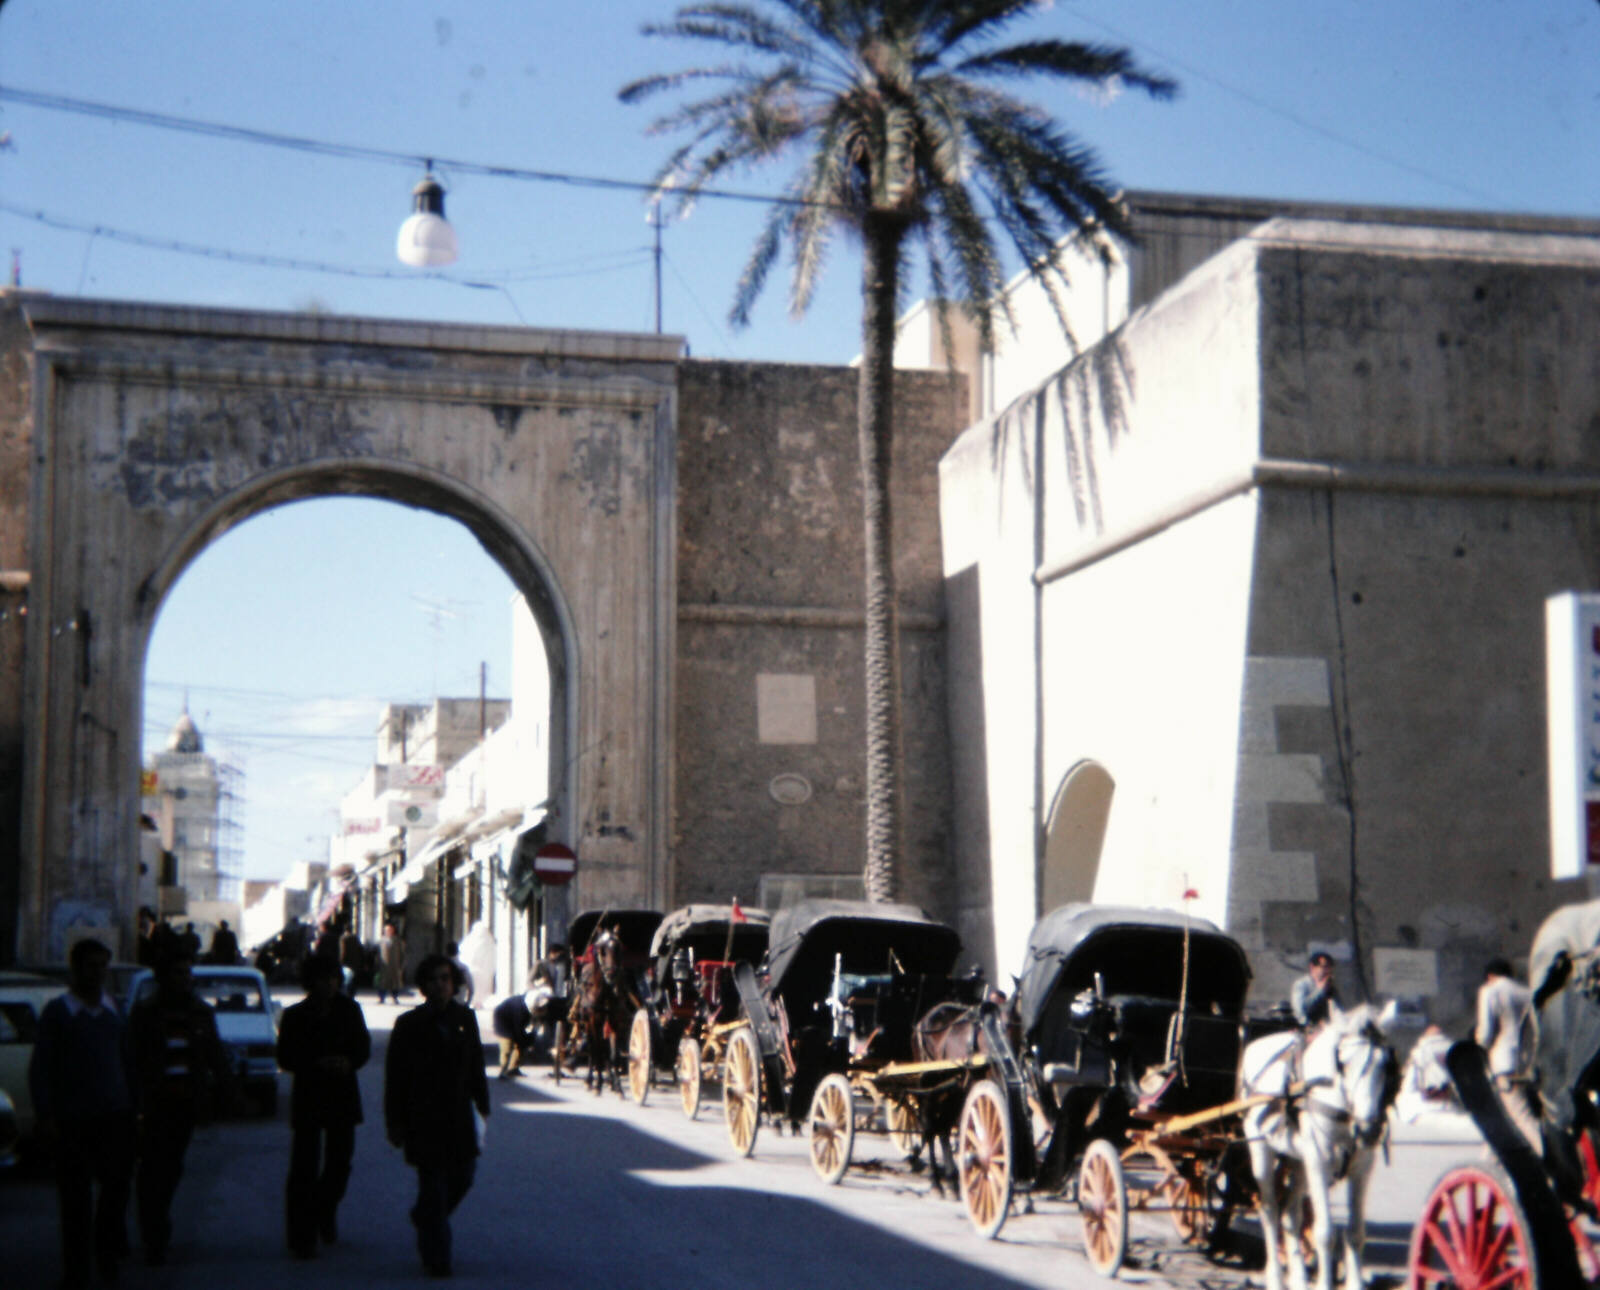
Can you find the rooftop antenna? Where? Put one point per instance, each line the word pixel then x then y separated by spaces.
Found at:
pixel 438 611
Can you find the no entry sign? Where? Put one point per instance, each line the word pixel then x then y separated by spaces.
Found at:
pixel 554 864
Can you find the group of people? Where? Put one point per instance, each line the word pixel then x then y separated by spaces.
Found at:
pixel 119 1097
pixel 1504 1030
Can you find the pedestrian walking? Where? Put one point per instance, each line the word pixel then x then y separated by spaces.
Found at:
pixel 322 1042
pixel 391 964
pixel 1316 993
pixel 224 946
pixel 1504 1031
pixel 82 1090
pixel 434 1086
pixel 180 1071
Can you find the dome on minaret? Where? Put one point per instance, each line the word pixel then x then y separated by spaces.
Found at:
pixel 185 736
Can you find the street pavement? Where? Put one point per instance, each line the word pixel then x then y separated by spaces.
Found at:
pixel 574 1190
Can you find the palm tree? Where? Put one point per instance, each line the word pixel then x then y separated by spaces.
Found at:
pixel 905 137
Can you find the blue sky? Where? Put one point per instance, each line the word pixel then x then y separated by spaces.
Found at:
pixel 293 628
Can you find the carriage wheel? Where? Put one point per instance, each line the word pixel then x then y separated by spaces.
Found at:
pixel 983 1157
pixel 1199 1205
pixel 1472 1235
pixel 741 1090
pixel 639 1071
pixel 689 1074
pixel 903 1129
pixel 831 1128
pixel 1103 1207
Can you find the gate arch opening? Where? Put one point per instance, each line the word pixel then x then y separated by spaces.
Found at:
pixel 1069 863
pixel 463 861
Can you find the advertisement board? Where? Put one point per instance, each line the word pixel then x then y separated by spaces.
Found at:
pixel 1572 686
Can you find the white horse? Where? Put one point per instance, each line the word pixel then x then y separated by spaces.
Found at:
pixel 1331 1094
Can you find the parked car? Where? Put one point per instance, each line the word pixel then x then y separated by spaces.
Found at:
pixel 23 996
pixel 247 1023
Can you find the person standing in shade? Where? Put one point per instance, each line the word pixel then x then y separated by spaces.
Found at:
pixel 1504 1031
pixel 83 1098
pixel 176 1057
pixel 391 964
pixel 1316 993
pixel 433 1083
pixel 322 1042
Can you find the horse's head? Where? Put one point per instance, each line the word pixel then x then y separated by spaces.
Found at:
pixel 1353 1058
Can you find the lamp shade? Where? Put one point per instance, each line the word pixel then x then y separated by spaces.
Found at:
pixel 426 240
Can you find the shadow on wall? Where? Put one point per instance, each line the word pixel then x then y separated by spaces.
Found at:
pixel 1096 387
pixel 969 767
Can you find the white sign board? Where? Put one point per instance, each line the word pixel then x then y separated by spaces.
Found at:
pixel 1405 974
pixel 401 775
pixel 1572 686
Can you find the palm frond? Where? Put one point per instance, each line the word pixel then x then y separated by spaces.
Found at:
pixel 1062 58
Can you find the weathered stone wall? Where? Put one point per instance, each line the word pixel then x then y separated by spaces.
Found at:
pixel 16 474
pixel 769 603
pixel 159 428
pixel 1325 482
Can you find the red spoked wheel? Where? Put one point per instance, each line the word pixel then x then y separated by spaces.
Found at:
pixel 1472 1235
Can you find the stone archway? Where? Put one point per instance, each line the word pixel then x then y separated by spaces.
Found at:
pixel 154 430
pixel 1070 862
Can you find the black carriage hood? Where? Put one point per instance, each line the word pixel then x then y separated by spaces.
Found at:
pixel 1569 1018
pixel 634 926
pixel 807 936
pixel 707 926
pixel 1137 951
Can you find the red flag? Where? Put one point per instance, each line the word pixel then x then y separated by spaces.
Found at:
pixel 738 914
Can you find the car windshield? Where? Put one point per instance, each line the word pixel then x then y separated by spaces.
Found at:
pixel 229 994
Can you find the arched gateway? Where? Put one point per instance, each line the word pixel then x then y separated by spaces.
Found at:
pixel 149 431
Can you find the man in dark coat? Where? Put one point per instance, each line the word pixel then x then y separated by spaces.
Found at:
pixel 224 945
pixel 179 1067
pixel 322 1042
pixel 83 1096
pixel 433 1080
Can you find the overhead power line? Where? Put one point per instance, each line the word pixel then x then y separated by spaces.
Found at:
pixel 358 152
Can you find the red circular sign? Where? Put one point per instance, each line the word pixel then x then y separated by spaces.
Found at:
pixel 554 864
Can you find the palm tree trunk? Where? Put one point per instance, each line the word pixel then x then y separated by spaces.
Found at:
pixel 875 415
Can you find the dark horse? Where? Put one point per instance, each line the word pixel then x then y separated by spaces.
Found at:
pixel 602 1009
pixel 948 1032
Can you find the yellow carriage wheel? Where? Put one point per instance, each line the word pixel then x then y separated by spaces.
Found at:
pixel 689 1075
pixel 1103 1207
pixel 741 1090
pixel 904 1132
pixel 983 1157
pixel 831 1128
pixel 639 1057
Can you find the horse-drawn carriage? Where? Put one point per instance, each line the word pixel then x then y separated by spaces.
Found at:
pixel 828 1027
pixel 610 951
pixel 1523 1221
pixel 1120 1091
pixel 691 1005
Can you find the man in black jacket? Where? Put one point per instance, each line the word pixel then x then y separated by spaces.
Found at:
pixel 322 1042
pixel 180 1070
pixel 433 1081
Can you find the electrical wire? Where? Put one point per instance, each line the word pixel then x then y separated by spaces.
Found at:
pixel 357 152
pixel 483 282
pixel 1272 109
